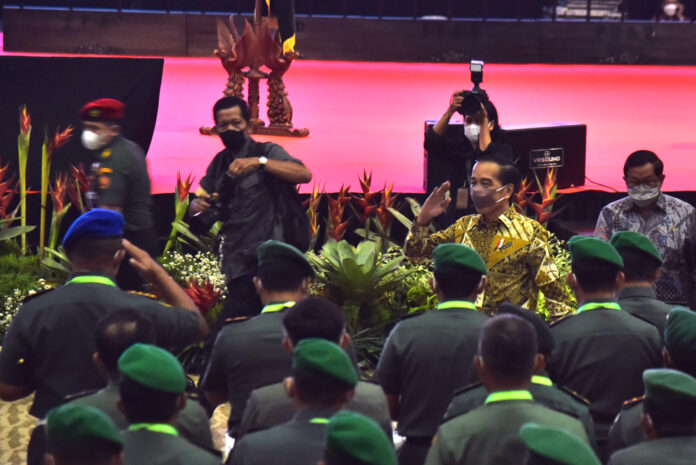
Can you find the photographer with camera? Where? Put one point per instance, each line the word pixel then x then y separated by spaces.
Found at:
pixel 250 187
pixel 456 151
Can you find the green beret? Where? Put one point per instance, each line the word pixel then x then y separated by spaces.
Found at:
pixel 670 389
pixel 556 445
pixel 584 248
pixel 359 437
pixel 325 357
pixel 279 253
pixel 152 367
pixel 635 241
pixel 680 333
pixel 451 258
pixel 74 424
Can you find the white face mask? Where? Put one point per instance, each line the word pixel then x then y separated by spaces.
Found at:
pixel 91 140
pixel 670 9
pixel 643 195
pixel 471 132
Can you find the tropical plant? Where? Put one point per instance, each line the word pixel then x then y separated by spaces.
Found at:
pixel 49 147
pixel 7 217
pixel 23 155
pixel 180 230
pixel 60 208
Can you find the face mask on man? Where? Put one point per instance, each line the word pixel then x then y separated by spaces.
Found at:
pixel 471 132
pixel 670 9
pixel 643 195
pixel 233 140
pixel 483 197
pixel 92 140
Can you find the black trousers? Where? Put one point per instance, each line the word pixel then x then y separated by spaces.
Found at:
pixel 414 451
pixel 241 300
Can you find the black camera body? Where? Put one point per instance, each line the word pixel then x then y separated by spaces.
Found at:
pixel 201 222
pixel 474 98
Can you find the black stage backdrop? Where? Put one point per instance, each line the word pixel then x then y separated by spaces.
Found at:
pixel 54 89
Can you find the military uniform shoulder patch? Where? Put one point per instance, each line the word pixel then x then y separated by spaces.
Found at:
pixel 573 394
pixel 468 388
pixel 148 295
pixel 79 395
pixel 561 320
pixel 631 402
pixel 238 319
pixel 29 297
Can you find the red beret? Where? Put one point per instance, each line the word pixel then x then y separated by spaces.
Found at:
pixel 104 109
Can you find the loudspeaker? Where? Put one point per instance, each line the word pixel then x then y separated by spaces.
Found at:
pixel 562 145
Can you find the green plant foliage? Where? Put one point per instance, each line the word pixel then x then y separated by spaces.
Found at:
pixel 374 289
pixel 561 254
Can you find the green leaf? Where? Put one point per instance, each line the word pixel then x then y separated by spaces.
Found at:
pixel 183 229
pixel 14 231
pixel 400 218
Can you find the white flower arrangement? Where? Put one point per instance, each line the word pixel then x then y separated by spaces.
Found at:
pixel 12 302
pixel 202 267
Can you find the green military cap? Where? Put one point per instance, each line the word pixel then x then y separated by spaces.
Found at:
pixel 325 357
pixel 451 257
pixel 636 241
pixel 152 367
pixel 680 333
pixel 279 253
pixel 361 438
pixel 556 445
pixel 584 248
pixel 72 424
pixel 671 389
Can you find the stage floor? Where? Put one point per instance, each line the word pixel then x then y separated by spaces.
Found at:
pixel 370 116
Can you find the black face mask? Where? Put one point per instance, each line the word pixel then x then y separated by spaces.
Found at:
pixel 233 140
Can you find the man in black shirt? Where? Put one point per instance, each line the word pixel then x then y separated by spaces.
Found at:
pixel 246 176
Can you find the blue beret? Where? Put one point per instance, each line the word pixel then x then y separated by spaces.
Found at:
pixel 95 224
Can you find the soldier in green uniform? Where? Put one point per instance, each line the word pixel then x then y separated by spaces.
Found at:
pixel 78 435
pixel 113 335
pixel 323 381
pixel 553 446
pixel 49 345
pixel 642 265
pixel 250 354
pixel 679 353
pixel 669 421
pixel 313 317
pixel 427 358
pixel 489 434
pixel 120 180
pixel 542 388
pixel 601 352
pixel 354 439
pixel 152 392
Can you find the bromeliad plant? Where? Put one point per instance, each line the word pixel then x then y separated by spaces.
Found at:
pixel 60 207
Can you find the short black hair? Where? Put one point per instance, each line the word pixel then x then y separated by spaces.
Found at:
pixel 314 317
pixel 595 275
pixel 671 422
pixel 638 266
pixel 119 330
pixel 508 172
pixel 459 285
pixel 642 157
pixel 281 278
pixel 230 102
pixel 95 250
pixel 145 405
pixel 316 388
pixel 508 347
pixel 545 340
pixel 91 451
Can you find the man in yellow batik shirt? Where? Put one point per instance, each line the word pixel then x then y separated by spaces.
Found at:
pixel 514 247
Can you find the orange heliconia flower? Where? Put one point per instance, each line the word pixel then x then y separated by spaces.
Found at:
pixel 183 187
pixel 60 139
pixel 7 192
pixel 24 121
pixel 59 192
